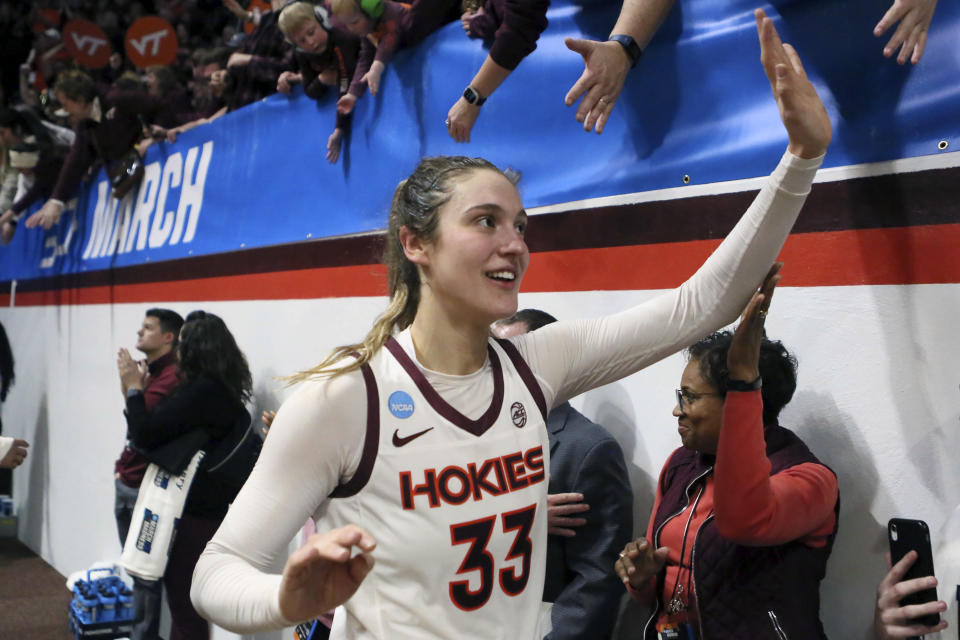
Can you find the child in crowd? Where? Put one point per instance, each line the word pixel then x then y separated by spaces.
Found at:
pixel 382 24
pixel 326 56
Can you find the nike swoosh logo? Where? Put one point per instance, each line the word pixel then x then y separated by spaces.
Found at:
pixel 399 442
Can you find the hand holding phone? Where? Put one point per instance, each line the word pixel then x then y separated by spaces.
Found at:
pixel 907 602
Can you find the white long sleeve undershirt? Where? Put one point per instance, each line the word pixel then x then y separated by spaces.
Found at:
pixel 317 437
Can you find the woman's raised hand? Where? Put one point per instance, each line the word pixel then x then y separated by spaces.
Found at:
pixel 322 575
pixel 743 358
pixel 803 114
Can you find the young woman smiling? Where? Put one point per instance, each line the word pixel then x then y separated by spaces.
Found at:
pixel 424 446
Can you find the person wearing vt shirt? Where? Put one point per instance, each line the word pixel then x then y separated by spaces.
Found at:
pixel 157 339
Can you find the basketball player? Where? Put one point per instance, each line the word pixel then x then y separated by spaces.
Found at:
pixel 424 447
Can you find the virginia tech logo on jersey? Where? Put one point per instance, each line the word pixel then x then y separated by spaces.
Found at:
pixel 518 414
pixel 400 404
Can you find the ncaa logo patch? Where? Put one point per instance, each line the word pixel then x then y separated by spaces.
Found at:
pixel 518 414
pixel 400 404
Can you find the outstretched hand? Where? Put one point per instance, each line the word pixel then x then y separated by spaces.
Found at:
pixel 893 621
pixel 460 119
pixel 333 145
pixel 803 114
pixel 605 67
pixel 322 574
pixel 47 216
pixel 372 77
pixel 346 103
pixel 910 36
pixel 743 357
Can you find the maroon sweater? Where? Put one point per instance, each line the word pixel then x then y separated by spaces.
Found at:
pixel 116 133
pixel 163 380
pixel 44 178
pixel 514 25
pixel 341 56
pixel 390 33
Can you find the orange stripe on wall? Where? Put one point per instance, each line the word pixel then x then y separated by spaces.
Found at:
pixel 902 255
pixel 331 282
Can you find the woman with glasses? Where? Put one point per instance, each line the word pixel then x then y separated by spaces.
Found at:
pixel 745 515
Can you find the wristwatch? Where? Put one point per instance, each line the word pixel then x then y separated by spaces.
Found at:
pixel 740 385
pixel 472 96
pixel 629 45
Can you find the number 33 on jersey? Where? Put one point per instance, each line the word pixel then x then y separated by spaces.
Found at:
pixel 457 505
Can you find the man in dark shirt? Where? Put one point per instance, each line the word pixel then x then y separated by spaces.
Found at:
pixel 157 339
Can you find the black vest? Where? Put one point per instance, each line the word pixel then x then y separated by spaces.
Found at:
pixel 746 592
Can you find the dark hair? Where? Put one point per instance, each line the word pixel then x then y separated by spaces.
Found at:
pixel 128 81
pixel 170 321
pixel 533 319
pixel 6 365
pixel 778 368
pixel 11 119
pixel 76 85
pixel 166 78
pixel 207 348
pixel 24 122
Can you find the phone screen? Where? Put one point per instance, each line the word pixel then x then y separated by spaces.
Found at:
pixel 904 536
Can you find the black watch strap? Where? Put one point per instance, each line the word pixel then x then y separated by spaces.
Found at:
pixel 740 385
pixel 629 45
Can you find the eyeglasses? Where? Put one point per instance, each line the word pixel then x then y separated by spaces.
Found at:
pixel 685 397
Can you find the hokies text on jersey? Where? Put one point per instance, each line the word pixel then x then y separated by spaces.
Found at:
pixel 456 484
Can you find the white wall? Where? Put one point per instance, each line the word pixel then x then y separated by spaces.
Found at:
pixel 877 401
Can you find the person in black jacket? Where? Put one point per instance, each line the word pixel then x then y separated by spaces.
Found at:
pixel 215 383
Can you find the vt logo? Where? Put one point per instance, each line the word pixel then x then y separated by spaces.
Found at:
pixel 82 40
pixel 140 44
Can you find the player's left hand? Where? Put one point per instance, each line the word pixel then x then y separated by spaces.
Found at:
pixel 803 114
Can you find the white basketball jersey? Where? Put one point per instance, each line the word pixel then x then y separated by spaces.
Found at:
pixel 457 506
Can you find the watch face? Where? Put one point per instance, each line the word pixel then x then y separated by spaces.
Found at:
pixel 472 97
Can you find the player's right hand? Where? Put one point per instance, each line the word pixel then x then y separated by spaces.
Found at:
pixel 324 573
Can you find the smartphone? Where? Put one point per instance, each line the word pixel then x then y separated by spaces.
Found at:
pixel 904 536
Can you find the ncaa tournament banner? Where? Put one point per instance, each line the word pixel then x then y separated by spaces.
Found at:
pixel 697 109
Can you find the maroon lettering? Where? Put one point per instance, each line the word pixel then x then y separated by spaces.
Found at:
pixel 429 488
pixel 455 484
pixel 462 492
pixel 515 471
pixel 480 480
pixel 534 462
